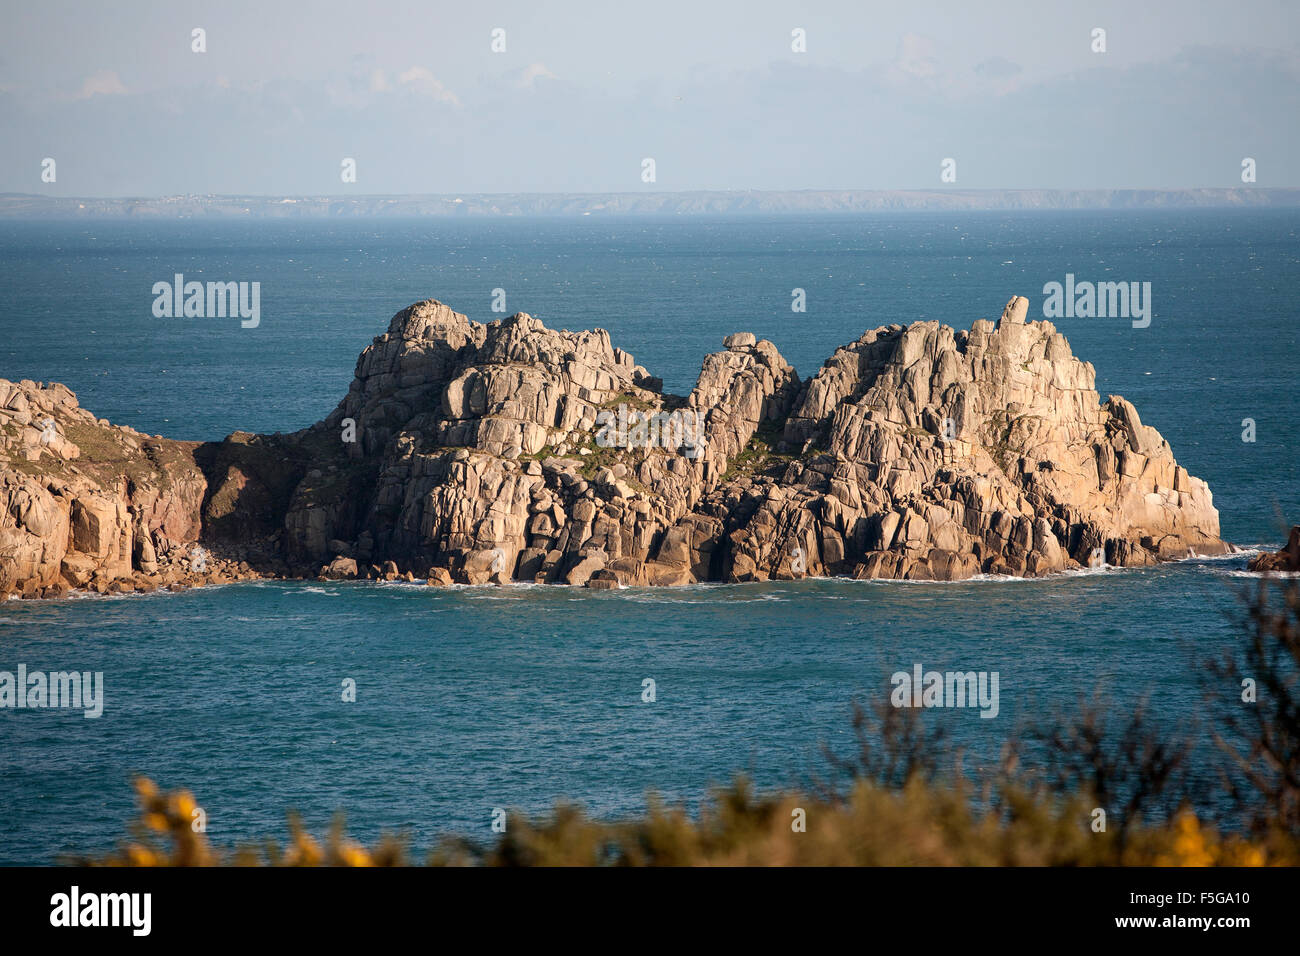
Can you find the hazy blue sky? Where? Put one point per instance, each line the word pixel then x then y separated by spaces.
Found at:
pixel 585 91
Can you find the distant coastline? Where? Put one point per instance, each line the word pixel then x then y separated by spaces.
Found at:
pixel 718 202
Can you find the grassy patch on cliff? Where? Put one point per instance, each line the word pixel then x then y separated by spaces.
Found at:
pixel 628 399
pixel 760 454
pixel 107 455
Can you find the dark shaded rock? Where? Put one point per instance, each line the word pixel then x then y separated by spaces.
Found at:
pixel 1287 560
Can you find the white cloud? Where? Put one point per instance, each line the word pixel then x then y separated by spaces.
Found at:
pixel 916 56
pixel 534 72
pixel 103 83
pixel 420 81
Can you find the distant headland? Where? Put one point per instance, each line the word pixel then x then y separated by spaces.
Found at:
pixel 648 203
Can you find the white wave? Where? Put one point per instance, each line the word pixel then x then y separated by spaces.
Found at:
pixel 1246 551
pixel 1260 575
pixel 648 595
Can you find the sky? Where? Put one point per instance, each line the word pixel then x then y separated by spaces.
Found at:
pixel 1014 93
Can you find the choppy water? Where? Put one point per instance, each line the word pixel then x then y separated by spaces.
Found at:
pixel 474 698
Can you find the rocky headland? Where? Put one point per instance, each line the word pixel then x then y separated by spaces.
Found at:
pixel 469 453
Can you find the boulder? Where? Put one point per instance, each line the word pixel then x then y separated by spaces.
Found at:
pixel 1286 560
pixel 340 568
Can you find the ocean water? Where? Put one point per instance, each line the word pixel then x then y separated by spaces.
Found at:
pixel 475 698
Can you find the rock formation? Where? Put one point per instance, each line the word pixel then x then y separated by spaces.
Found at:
pixel 469 452
pixel 1286 560
pixel 85 504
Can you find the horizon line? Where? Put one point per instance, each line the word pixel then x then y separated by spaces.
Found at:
pixel 697 202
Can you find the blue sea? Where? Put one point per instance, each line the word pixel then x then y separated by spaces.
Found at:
pixel 469 699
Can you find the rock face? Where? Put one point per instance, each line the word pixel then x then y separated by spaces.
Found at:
pixel 84 504
pixel 1288 559
pixel 509 451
